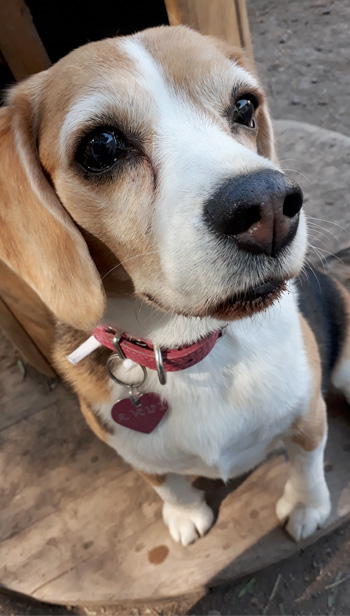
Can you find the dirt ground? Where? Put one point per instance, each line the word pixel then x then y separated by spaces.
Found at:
pixel 302 51
pixel 303 56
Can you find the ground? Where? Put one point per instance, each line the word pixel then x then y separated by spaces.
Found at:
pixel 302 51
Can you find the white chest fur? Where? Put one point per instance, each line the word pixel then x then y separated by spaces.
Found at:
pixel 225 412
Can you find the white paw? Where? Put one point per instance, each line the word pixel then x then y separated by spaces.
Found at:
pixel 187 522
pixel 303 517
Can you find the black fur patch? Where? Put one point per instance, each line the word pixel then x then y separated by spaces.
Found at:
pixel 324 308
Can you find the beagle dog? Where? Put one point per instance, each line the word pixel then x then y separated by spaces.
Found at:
pixel 142 199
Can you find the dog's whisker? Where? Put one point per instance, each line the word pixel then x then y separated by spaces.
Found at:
pixel 283 160
pixel 315 227
pixel 310 266
pixel 303 274
pixel 319 255
pixel 142 254
pixel 331 254
pixel 330 222
pixel 318 238
pixel 299 172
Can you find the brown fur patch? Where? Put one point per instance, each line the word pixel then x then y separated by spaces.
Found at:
pixel 154 480
pixel 38 238
pixel 94 421
pixel 309 429
pixel 89 377
pixel 345 349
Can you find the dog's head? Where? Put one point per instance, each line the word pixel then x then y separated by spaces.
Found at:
pixel 154 151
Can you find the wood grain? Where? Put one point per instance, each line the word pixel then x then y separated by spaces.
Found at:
pixel 20 43
pixel 26 320
pixel 77 532
pixel 226 19
pixel 23 391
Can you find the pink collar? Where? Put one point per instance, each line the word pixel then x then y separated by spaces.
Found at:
pixel 143 352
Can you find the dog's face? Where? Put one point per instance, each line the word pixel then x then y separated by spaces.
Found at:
pixel 156 151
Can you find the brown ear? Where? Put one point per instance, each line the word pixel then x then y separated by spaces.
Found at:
pixel 38 238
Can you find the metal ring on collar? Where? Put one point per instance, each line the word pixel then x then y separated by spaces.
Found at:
pixel 116 344
pixel 160 365
pixel 119 381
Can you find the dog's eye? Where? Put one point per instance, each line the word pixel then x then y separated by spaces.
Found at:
pixel 243 112
pixel 100 150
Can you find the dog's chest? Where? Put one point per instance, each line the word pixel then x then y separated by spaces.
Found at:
pixel 225 412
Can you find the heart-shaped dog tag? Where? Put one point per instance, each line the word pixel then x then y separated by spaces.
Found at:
pixel 144 417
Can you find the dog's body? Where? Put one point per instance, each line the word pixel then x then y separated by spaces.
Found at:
pixel 191 227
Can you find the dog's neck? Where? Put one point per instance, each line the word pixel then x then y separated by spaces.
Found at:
pixel 169 330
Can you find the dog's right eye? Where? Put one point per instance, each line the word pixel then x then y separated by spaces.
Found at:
pixel 100 150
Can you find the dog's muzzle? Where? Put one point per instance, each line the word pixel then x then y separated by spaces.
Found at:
pixel 259 211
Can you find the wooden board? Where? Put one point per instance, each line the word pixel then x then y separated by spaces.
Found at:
pixel 21 339
pixel 20 43
pixel 77 525
pixel 26 320
pixel 23 391
pixel 226 19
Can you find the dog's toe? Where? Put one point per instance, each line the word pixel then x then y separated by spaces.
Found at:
pixel 304 520
pixel 187 523
pixel 303 517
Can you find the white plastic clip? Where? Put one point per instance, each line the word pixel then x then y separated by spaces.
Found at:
pixel 83 350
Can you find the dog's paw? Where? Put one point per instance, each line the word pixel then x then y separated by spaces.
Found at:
pixel 303 518
pixel 187 522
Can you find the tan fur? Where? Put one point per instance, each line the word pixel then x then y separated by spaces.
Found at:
pixel 94 422
pixel 345 350
pixel 309 429
pixel 154 480
pixel 88 378
pixel 38 239
pixel 179 71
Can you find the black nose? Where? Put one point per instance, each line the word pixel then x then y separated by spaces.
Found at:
pixel 260 211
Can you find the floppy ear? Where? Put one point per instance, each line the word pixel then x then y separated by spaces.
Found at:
pixel 38 238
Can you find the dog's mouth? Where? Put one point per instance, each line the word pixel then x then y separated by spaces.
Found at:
pixel 246 304
pixel 239 305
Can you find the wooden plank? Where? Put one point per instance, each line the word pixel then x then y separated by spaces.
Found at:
pixel 110 544
pixel 29 324
pixel 50 459
pixel 226 19
pixel 243 25
pixel 20 338
pixel 103 518
pixel 246 537
pixel 20 43
pixel 23 391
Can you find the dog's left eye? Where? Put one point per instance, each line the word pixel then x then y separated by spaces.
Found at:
pixel 100 150
pixel 243 112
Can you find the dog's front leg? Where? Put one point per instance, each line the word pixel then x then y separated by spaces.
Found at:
pixel 306 502
pixel 185 511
